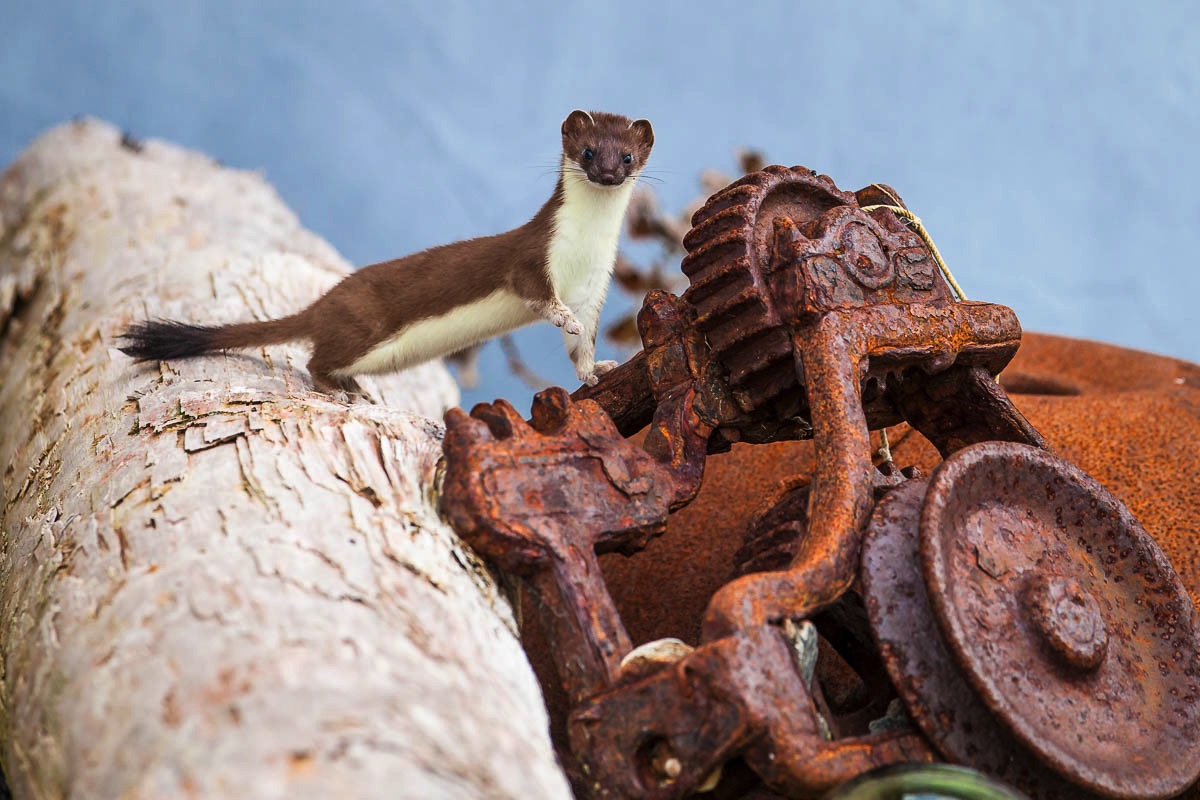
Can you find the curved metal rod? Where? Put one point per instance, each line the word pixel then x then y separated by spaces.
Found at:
pixel 827 558
pixel 833 350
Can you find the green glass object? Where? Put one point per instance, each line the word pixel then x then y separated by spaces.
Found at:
pixel 924 782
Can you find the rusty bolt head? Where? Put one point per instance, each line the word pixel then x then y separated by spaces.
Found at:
pixel 1069 620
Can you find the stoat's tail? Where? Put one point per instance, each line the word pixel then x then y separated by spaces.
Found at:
pixel 160 339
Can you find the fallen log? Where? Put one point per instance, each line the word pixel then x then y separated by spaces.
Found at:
pixel 214 581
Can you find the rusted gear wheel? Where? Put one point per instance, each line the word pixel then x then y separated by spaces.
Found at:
pixel 1059 612
pixel 729 249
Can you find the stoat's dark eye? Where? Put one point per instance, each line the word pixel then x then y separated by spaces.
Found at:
pixel 627 158
pixel 588 155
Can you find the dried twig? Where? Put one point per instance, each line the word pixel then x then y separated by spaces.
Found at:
pixel 517 365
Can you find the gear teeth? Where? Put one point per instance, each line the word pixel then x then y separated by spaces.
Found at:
pixel 767 384
pixel 734 218
pixel 708 282
pixel 714 255
pixel 735 325
pixel 756 354
pixel 732 196
pixel 727 248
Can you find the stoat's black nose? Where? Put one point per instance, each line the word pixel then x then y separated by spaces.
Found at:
pixel 609 178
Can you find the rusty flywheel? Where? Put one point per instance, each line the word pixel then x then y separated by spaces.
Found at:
pixel 1016 600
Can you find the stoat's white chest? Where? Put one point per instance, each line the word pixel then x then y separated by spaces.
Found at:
pixel 583 246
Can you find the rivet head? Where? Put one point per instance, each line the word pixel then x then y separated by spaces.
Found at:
pixel 1069 621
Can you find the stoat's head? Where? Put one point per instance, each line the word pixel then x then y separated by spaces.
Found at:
pixel 606 148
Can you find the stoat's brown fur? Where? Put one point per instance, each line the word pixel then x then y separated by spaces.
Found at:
pixel 392 315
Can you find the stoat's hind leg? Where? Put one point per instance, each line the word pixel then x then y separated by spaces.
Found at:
pixel 340 386
pixel 332 384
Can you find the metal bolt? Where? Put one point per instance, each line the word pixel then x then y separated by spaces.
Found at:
pixel 1069 620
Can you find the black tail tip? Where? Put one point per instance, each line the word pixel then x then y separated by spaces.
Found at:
pixel 160 340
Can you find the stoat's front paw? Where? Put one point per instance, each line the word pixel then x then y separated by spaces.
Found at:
pixel 563 318
pixel 592 376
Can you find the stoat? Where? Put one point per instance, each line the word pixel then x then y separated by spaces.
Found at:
pixel 392 315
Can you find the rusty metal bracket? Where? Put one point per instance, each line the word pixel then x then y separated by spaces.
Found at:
pixel 539 500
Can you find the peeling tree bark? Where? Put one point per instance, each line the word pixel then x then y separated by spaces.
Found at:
pixel 214 581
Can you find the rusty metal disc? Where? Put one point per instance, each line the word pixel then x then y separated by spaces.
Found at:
pixel 935 692
pixel 1066 618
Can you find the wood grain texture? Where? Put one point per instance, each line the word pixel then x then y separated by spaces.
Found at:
pixel 215 582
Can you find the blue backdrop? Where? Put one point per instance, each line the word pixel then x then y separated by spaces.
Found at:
pixel 1051 148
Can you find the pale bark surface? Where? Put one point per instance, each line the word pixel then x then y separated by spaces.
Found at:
pixel 215 582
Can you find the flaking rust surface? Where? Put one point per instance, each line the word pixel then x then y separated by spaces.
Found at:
pixel 810 316
pixel 1131 419
pixel 823 324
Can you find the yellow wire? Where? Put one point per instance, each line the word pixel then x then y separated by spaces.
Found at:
pixel 917 225
pixel 885 447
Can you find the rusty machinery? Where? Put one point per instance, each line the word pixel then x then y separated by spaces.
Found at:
pixel 1005 612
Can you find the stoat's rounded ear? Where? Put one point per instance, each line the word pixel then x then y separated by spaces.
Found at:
pixel 643 130
pixel 576 122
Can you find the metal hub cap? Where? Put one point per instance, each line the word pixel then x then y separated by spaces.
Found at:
pixel 1069 620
